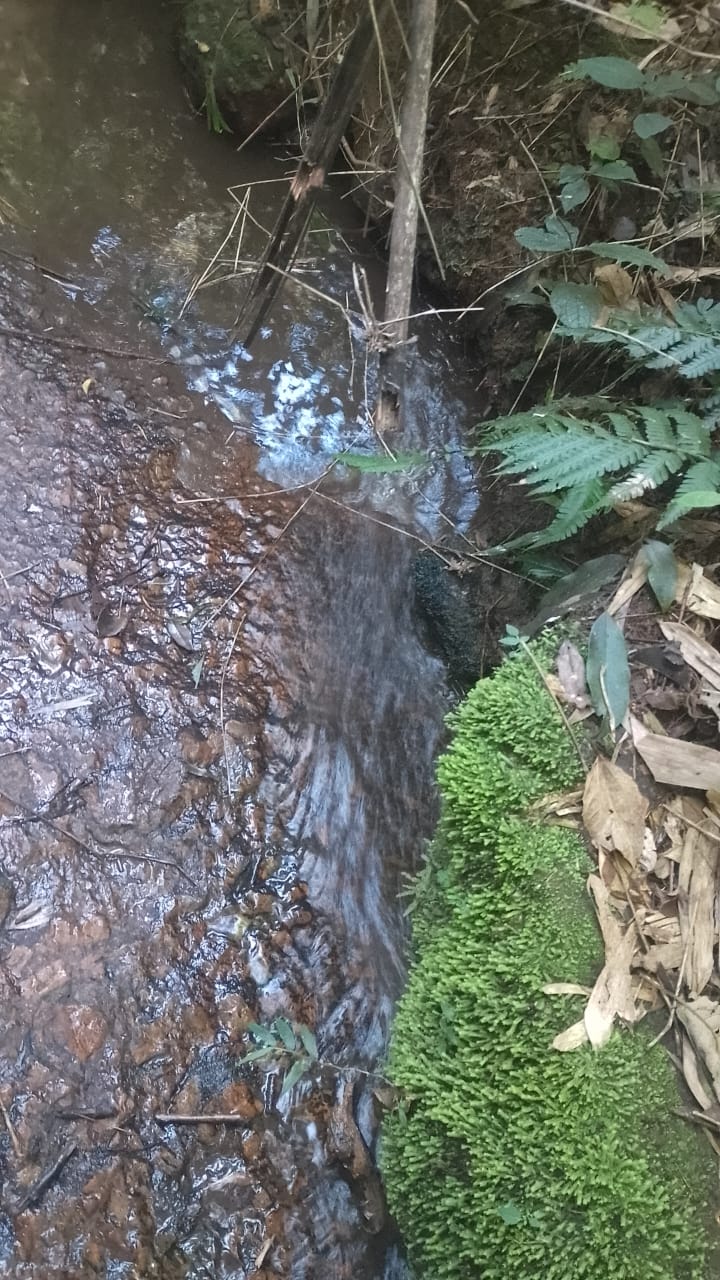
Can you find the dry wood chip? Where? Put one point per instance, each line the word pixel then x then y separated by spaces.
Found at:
pixel 676 762
pixel 614 811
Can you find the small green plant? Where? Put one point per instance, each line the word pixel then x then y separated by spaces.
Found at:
pixel 281 1040
pixel 582 458
pixel 216 122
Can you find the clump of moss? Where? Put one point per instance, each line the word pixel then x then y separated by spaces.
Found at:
pixel 510 1159
pixel 236 59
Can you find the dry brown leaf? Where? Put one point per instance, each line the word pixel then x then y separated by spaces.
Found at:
pixel 634 578
pixel 661 928
pixel 687 275
pixel 613 994
pixel 649 856
pixel 571 674
pixel 614 811
pixel 696 900
pixel 616 284
pixel 663 868
pixel 565 989
pixel 697 652
pixel 701 1019
pixel 666 956
pixel 693 1077
pixel 572 1038
pixel 676 762
pixel 697 592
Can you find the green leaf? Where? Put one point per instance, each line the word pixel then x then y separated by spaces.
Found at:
pixel 556 236
pixel 662 571
pixel 649 16
pixel 608 672
pixel 613 171
pixel 604 147
pixel 648 123
pixel 567 172
pixel 381 464
pixel 283 1029
pixel 510 1214
pixel 618 251
pixel 699 498
pixel 701 90
pixel 256 1054
pixel 295 1073
pixel 612 73
pixel 264 1035
pixel 574 193
pixel 577 306
pixel 653 157
pixel 309 1041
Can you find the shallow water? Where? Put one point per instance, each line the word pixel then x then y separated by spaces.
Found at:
pixel 221 707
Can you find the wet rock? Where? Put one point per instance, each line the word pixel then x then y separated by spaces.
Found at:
pixel 83 1030
pixel 236 61
pixel 238 1099
pixel 7 898
pixel 451 610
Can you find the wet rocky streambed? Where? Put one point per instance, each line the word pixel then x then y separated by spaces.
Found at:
pixel 218 712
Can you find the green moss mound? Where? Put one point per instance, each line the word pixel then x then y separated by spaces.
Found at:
pixel 511 1160
pixel 236 58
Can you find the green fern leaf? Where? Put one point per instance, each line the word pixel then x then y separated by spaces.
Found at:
pixel 556 452
pixel 699 488
pixel 702 360
pixel 655 470
pixel 710 409
pixel 658 428
pixel 578 506
pixel 688 341
pixel 587 464
pixel 693 432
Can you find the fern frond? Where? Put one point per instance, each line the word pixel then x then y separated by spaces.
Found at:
pixel 688 341
pixel 658 428
pixel 692 431
pixel 550 459
pixel 593 463
pixel 709 408
pixel 655 470
pixel 699 488
pixel 578 506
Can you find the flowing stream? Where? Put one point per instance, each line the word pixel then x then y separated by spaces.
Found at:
pixel 218 713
